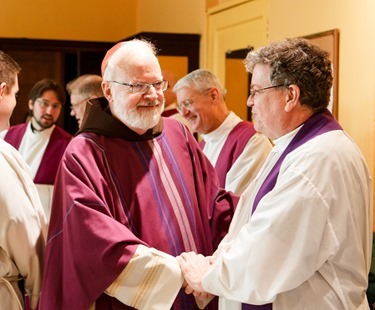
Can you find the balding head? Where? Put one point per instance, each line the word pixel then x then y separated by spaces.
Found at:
pixel 127 67
pixel 125 56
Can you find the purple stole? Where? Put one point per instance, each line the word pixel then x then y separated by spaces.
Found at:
pixel 15 134
pixel 232 148
pixel 58 141
pixel 316 125
pixel 168 113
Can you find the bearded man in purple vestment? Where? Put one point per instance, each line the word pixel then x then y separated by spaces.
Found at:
pixel 301 236
pixel 133 191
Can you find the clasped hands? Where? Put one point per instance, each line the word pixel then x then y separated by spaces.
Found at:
pixel 194 267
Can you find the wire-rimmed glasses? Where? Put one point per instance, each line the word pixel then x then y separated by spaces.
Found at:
pixel 142 88
pixel 253 92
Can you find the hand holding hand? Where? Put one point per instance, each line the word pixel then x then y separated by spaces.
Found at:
pixel 194 267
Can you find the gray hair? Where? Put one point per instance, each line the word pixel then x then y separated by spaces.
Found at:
pixel 86 85
pixel 201 80
pixel 299 62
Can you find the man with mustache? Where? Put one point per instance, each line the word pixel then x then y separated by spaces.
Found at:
pixel 40 141
pixel 133 192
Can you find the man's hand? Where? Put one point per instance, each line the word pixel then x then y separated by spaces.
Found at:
pixel 194 267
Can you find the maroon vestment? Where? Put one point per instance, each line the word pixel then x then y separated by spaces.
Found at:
pixel 232 148
pixel 116 189
pixel 51 158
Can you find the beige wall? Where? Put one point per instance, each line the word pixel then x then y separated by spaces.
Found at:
pixel 68 19
pixel 98 20
pixel 356 23
pixel 171 16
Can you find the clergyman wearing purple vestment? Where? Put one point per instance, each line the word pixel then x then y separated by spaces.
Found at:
pixel 232 145
pixel 134 190
pixel 301 235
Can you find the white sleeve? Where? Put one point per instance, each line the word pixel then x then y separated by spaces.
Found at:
pixel 156 287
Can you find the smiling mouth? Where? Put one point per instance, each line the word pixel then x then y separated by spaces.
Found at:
pixel 148 104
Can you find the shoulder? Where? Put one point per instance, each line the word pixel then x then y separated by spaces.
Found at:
pixel 11 164
pixel 244 125
pixel 84 141
pixel 330 151
pixel 175 128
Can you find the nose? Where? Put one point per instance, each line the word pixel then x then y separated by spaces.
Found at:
pixel 72 112
pixel 250 101
pixel 151 92
pixel 49 109
pixel 184 111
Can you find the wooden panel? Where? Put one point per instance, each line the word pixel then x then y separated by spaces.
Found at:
pixel 60 60
pixel 34 67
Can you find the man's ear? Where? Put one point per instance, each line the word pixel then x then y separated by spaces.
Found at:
pixel 107 91
pixel 214 94
pixel 292 99
pixel 3 88
pixel 31 105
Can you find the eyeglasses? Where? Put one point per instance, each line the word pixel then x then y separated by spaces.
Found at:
pixel 74 106
pixel 253 92
pixel 184 104
pixel 45 104
pixel 142 88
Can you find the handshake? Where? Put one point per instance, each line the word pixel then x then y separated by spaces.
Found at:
pixel 194 267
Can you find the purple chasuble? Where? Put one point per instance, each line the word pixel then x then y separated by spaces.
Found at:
pixel 116 190
pixel 316 125
pixel 232 148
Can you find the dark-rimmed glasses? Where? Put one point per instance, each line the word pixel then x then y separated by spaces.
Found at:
pixel 253 92
pixel 142 88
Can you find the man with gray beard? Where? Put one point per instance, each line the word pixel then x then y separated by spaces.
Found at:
pixel 134 190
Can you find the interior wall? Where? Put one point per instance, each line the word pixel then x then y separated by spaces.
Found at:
pixel 95 20
pixel 174 16
pixel 356 23
pixel 171 16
